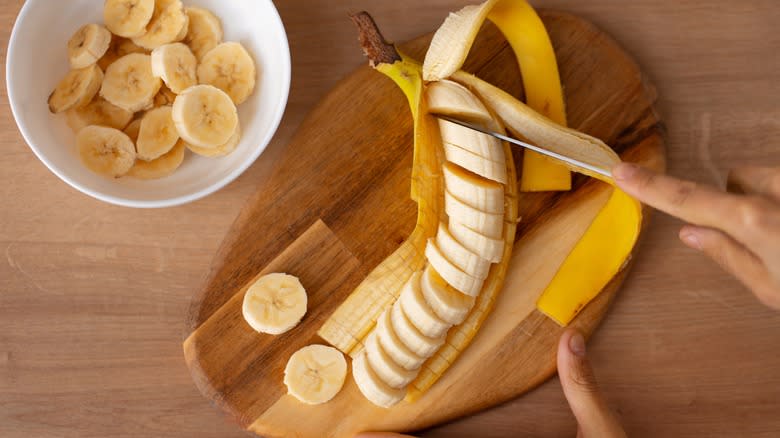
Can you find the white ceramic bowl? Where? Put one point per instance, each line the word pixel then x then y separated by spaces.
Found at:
pixel 37 60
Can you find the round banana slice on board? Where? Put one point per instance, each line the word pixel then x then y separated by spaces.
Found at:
pixel 98 112
pixel 315 374
pixel 128 18
pixel 230 68
pixel 105 151
pixel 88 45
pixel 130 84
pixel 168 24
pixel 118 48
pixel 159 167
pixel 176 65
pixel 372 387
pixel 219 151
pixel 205 31
pixel 205 116
pixel 274 303
pixel 157 135
pixel 76 89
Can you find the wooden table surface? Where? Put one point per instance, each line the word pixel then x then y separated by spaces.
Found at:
pixel 93 297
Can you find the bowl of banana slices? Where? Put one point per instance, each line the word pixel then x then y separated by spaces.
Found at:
pixel 148 103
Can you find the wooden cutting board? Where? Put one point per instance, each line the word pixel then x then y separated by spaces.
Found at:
pixel 338 203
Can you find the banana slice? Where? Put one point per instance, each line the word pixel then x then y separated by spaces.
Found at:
pixel 166 26
pixel 315 374
pixel 474 190
pixel 450 305
pixel 133 129
pixel 456 278
pixel 76 89
pixel 391 373
pixel 98 112
pixel 205 116
pixel 176 66
pixel 491 225
pixel 459 255
pixel 119 48
pixel 88 45
pixel 422 316
pixel 482 145
pixel 372 387
pixel 105 151
pixel 486 247
pixel 128 18
pixel 453 99
pixel 492 170
pixel 185 29
pixel 230 68
pixel 422 345
pixel 393 345
pixel 157 135
pixel 274 303
pixel 205 31
pixel 164 97
pixel 219 151
pixel 130 84
pixel 159 167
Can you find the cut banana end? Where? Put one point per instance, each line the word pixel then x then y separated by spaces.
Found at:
pixel 315 374
pixel 98 112
pixel 157 135
pixel 395 348
pixel 205 116
pixel 159 167
pixel 422 345
pixel 128 18
pixel 488 224
pixel 119 47
pixel 88 45
pixel 176 66
pixel 130 84
pixel 205 31
pixel 460 256
pixel 105 151
pixel 449 305
pixel 453 99
pixel 230 68
pixel 486 247
pixel 394 375
pixel 76 89
pixel 219 151
pixel 166 26
pixel 474 190
pixel 419 311
pixel 492 170
pixel 455 277
pixel 274 303
pixel 372 387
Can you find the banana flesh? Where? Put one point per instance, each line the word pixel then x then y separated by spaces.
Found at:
pixel 274 303
pixel 176 66
pixel 315 374
pixel 204 33
pixel 76 89
pixel 169 23
pixel 230 68
pixel 205 116
pixel 130 84
pixel 88 45
pixel 128 18
pixel 98 112
pixel 157 134
pixel 105 151
pixel 160 167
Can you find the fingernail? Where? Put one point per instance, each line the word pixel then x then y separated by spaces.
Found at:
pixel 624 171
pixel 690 239
pixel 577 344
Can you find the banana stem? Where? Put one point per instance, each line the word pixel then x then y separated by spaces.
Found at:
pixel 375 47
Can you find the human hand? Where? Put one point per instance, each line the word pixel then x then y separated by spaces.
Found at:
pixel 739 230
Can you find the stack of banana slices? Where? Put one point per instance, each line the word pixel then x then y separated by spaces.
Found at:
pixel 152 82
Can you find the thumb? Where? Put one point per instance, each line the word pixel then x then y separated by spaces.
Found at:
pixel 594 417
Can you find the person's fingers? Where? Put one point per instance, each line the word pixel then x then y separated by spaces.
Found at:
pixel 754 180
pixel 381 435
pixel 735 259
pixel 594 417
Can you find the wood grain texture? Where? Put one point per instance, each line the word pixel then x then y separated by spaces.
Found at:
pixel 92 297
pixel 356 146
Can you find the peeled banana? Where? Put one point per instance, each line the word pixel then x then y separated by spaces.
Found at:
pixel 419 311
pixel 372 387
pixel 274 303
pixel 88 45
pixel 230 68
pixel 105 151
pixel 130 84
pixel 76 89
pixel 205 116
pixel 176 66
pixel 315 374
pixel 394 375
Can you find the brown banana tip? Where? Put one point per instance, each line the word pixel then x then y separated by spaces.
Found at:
pixel 374 45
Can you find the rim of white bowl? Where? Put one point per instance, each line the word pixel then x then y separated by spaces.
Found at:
pixel 163 203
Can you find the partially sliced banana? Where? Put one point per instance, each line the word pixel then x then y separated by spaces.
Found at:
pixel 128 18
pixel 159 167
pixel 88 45
pixel 491 225
pixel 482 145
pixel 459 255
pixel 130 84
pixel 486 247
pixel 176 65
pixel 372 387
pixel 394 375
pixel 168 24
pixel 157 135
pixel 482 166
pixel 219 151
pixel 105 151
pixel 205 31
pixel 455 277
pixel 98 112
pixel 395 348
pixel 76 89
pixel 449 304
pixel 230 68
pixel 119 47
pixel 420 313
pixel 205 116
pixel 474 190
pixel 315 374
pixel 453 99
pixel 274 303
pixel 415 340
